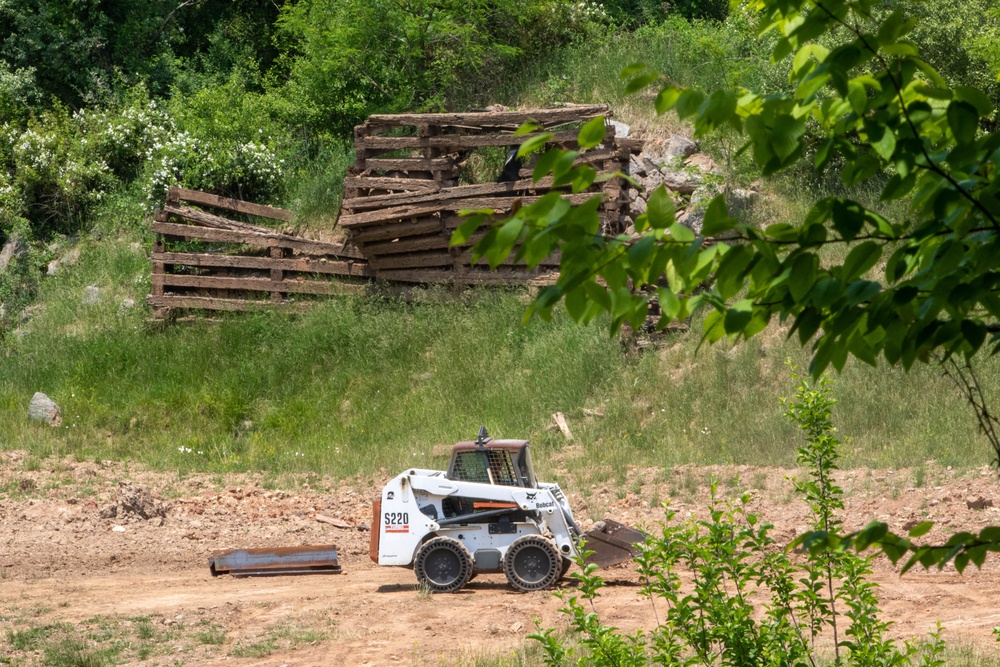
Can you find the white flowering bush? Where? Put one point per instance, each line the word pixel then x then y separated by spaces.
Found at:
pixel 53 175
pixel 126 139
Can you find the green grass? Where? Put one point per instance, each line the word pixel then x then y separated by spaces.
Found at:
pixel 359 386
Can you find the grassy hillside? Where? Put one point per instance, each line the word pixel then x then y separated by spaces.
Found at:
pixel 355 386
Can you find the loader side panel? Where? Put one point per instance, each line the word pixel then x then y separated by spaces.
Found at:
pixel 374 531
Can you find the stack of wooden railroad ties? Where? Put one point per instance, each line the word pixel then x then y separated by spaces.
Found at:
pixel 401 203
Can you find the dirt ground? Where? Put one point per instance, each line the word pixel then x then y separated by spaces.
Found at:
pixel 77 560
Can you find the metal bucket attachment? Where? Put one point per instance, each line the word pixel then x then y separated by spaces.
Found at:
pixel 612 543
pixel 274 562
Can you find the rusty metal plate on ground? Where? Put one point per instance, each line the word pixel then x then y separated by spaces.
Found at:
pixel 612 543
pixel 271 562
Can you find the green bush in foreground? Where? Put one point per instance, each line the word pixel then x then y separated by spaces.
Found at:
pixel 749 601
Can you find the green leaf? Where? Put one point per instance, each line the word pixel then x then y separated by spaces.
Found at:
pixel 717 219
pixel 921 529
pixel 640 81
pixel 592 133
pixel 861 258
pixel 975 97
pixel 534 143
pixel 660 209
pixel 465 230
pixel 631 70
pixel 667 98
pixel 545 163
pixel 738 316
pixel 963 119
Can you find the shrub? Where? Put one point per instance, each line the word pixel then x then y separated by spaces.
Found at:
pixel 732 559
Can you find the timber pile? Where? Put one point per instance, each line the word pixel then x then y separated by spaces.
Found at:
pixel 238 265
pixel 402 196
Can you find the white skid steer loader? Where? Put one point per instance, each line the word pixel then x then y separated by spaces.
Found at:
pixel 487 513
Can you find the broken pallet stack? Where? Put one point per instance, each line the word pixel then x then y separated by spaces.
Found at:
pixel 403 194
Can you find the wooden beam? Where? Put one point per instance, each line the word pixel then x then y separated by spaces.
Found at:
pixel 300 264
pixel 510 188
pixel 250 284
pixel 215 303
pixel 409 244
pixel 459 141
pixel 339 250
pixel 408 163
pixel 210 220
pixel 414 261
pixel 402 212
pixel 397 230
pixel 478 119
pixel 206 199
pixel 387 183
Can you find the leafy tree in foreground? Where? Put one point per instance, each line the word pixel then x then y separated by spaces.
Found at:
pixel 921 287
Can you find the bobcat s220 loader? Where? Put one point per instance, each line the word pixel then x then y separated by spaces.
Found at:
pixel 487 513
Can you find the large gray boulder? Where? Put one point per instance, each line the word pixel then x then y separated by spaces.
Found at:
pixel 44 409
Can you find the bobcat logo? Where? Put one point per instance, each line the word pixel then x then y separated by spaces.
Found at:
pixel 531 496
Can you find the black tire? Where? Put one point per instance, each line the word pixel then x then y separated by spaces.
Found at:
pixel 566 564
pixel 532 563
pixel 443 564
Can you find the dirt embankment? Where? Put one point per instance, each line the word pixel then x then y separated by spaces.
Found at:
pixel 116 560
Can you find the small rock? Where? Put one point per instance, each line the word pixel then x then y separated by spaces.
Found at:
pixel 703 162
pixel 978 503
pixel 52 268
pixel 71 257
pixel 42 408
pixel 516 627
pixel 118 529
pixel 679 146
pixel 109 512
pixel 91 294
pixel 337 523
pixel 363 528
pixel 127 304
pixel 740 200
pixel 636 167
pixel 135 247
pixel 11 248
pixel 911 524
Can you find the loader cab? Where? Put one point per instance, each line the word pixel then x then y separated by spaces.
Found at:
pixel 488 461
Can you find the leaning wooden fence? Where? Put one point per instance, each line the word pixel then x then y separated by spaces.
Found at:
pixel 236 265
pixel 401 205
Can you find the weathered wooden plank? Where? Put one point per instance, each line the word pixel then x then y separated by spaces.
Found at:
pixel 511 188
pixel 413 261
pixel 206 199
pixel 478 119
pixel 459 141
pixel 215 303
pixel 257 240
pixel 436 276
pixel 387 183
pixel 300 264
pixel 409 244
pixel 397 230
pixel 401 212
pixel 249 284
pixel 211 220
pixel 409 163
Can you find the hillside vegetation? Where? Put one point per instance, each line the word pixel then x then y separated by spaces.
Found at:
pixel 103 110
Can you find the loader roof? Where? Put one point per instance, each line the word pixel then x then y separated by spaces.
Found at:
pixel 510 445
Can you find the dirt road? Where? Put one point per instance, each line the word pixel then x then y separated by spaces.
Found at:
pixel 74 577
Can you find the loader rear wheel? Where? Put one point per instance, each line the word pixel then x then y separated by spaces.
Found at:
pixel 443 564
pixel 532 563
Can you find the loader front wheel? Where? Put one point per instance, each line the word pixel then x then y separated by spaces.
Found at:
pixel 532 563
pixel 443 564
